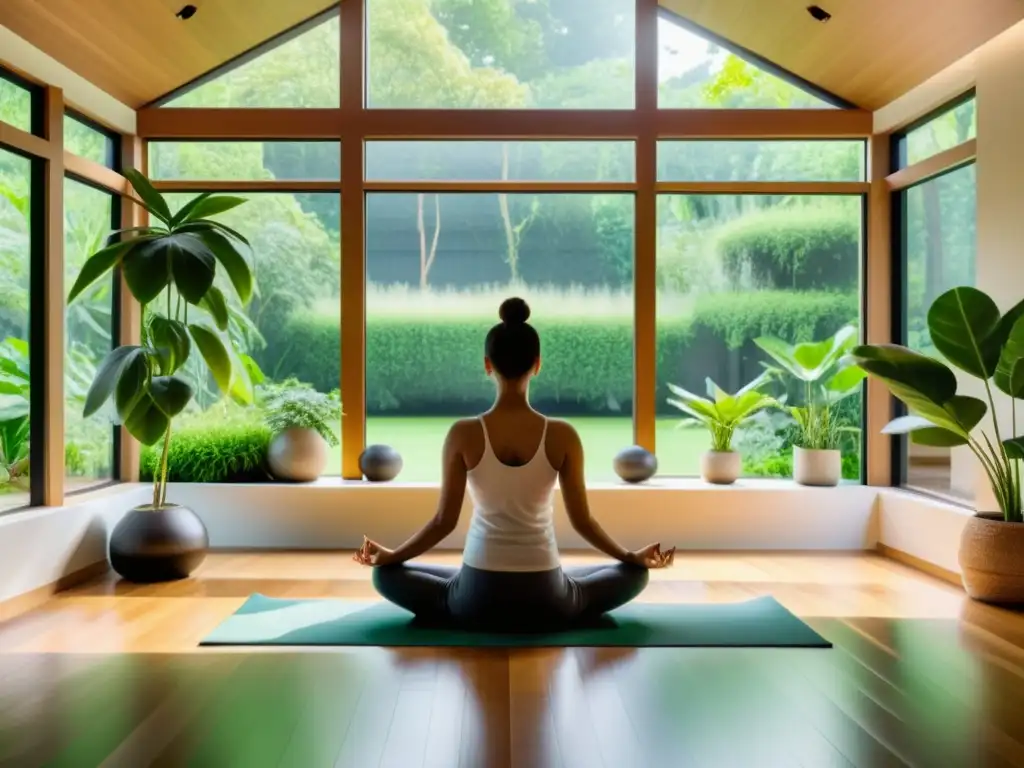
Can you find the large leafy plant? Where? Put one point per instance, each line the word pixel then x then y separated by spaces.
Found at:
pixel 721 412
pixel 827 376
pixel 169 267
pixel 969 331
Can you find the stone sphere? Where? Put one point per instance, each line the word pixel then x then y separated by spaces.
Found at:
pixel 380 463
pixel 635 464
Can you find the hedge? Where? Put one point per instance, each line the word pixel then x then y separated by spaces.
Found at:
pixel 435 365
pixel 209 450
pixel 794 249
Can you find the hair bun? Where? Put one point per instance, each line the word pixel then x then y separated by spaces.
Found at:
pixel 514 311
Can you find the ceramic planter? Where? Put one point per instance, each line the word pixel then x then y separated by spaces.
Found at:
pixel 297 455
pixel 720 467
pixel 150 545
pixel 813 467
pixel 992 559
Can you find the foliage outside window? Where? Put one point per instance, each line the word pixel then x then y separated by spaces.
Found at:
pixel 955 126
pixel 761 160
pixel 438 266
pixel 89 336
pixel 15 105
pixel 731 269
pixel 939 248
pixel 245 160
pixel 15 275
pixel 85 141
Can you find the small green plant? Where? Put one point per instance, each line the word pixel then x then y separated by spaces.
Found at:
pixel 174 260
pixel 232 451
pixel 721 412
pixel 302 407
pixel 828 378
pixel 14 410
pixel 967 328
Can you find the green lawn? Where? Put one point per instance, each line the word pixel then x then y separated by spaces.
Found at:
pixel 419 441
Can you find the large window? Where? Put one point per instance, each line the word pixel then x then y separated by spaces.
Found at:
pixel 245 160
pixel 15 278
pixel 452 54
pixel 939 242
pixel 695 72
pixel 760 160
pixel 89 335
pixel 952 127
pixel 438 265
pixel 304 71
pixel 291 330
pixel 731 269
pixel 85 140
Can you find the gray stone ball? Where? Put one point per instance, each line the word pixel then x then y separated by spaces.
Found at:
pixel 380 463
pixel 635 464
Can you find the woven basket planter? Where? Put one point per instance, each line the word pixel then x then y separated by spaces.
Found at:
pixel 992 559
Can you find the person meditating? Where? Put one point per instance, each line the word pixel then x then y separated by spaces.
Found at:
pixel 511 458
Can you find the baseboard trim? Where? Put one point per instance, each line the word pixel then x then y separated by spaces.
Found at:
pixel 28 601
pixel 920 565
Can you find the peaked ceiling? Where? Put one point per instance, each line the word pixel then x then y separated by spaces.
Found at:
pixel 869 53
pixel 138 50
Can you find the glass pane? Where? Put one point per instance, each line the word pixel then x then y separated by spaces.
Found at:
pixel 731 269
pixel 944 132
pixel 497 160
pixel 452 54
pixel 15 105
pixel 85 141
pixel 697 73
pixel 439 265
pixel 760 161
pixel 291 328
pixel 245 160
pixel 939 246
pixel 88 443
pixel 302 72
pixel 15 268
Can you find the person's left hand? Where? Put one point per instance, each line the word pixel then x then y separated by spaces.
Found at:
pixel 372 553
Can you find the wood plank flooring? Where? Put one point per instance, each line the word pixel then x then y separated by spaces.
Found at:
pixel 110 674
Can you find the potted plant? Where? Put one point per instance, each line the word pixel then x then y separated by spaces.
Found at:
pixel 828 377
pixel 722 413
pixel 169 267
pixel 302 421
pixel 968 330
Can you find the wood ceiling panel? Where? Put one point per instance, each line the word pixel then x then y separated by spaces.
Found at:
pixel 870 52
pixel 138 50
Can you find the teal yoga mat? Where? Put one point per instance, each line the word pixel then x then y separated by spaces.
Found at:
pixel 761 622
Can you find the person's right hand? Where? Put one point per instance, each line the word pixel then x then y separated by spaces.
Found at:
pixel 651 556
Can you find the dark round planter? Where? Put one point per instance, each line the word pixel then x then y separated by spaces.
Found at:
pixel 165 544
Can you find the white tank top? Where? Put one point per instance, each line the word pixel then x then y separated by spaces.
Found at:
pixel 513 526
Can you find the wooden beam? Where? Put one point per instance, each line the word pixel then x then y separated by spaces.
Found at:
pixel 645 222
pixel 53 350
pixel 764 187
pixel 181 123
pixel 353 254
pixel 93 172
pixel 877 292
pixel 129 330
pixel 763 123
pixel 23 142
pixel 500 186
pixel 265 185
pixel 943 162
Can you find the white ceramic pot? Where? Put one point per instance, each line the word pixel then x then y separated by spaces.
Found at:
pixel 298 455
pixel 817 467
pixel 720 467
pixel 992 559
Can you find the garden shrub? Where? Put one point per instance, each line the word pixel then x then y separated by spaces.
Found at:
pixel 232 451
pixel 435 365
pixel 794 248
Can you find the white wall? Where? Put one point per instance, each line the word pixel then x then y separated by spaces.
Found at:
pixel 39 546
pixel 78 91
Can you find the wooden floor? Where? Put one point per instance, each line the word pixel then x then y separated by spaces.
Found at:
pixel 110 674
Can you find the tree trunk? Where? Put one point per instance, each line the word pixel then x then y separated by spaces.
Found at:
pixel 512 250
pixel 427 257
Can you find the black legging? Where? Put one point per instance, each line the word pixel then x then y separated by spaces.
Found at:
pixel 512 601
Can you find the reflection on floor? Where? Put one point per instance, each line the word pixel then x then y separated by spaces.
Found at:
pixel 110 674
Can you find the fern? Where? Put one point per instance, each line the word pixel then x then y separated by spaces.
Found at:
pixel 302 407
